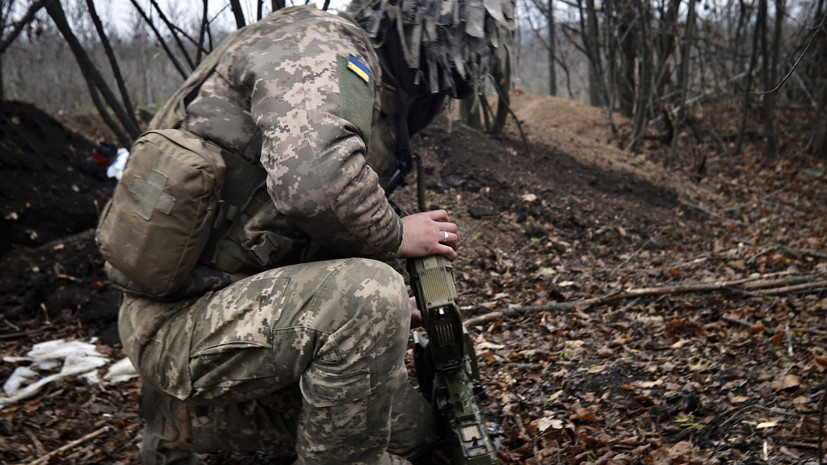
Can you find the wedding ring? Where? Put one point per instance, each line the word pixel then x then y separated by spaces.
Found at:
pixel 446 236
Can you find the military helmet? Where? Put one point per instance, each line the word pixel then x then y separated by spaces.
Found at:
pixel 456 37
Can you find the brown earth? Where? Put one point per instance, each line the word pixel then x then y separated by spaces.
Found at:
pixel 681 369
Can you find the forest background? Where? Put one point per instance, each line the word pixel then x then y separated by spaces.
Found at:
pixel 666 64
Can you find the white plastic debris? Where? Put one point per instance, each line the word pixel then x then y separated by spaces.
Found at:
pixel 58 349
pixel 115 170
pixel 120 371
pixel 17 378
pixel 75 358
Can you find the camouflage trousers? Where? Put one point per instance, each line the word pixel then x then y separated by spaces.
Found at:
pixel 305 359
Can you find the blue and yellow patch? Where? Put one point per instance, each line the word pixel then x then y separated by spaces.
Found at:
pixel 356 90
pixel 357 67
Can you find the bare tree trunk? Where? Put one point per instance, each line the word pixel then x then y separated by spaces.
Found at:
pixel 202 31
pixel 552 56
pixel 487 113
pixel 765 75
pixel 590 31
pixel 15 32
pixel 235 5
pixel 94 80
pixel 612 42
pixel 818 139
pixel 645 85
pixel 771 143
pixel 683 78
pixel 750 70
pixel 628 57
pixel 124 140
pixel 547 10
pixel 666 43
pixel 739 43
pixel 113 62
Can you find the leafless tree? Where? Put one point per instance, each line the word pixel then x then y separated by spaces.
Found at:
pixel 656 61
pixel 7 38
pixel 94 79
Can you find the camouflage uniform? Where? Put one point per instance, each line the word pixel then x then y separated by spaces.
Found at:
pixel 306 358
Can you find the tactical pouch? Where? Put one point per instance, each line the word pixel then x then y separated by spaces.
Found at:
pixel 159 219
pixel 250 235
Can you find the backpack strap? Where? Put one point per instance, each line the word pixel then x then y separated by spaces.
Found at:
pixel 243 180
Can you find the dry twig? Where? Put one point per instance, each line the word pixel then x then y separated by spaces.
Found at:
pixel 765 287
pixel 45 458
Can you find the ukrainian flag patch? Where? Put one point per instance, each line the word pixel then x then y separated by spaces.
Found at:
pixel 357 67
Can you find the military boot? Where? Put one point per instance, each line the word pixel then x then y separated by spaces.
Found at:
pixel 168 432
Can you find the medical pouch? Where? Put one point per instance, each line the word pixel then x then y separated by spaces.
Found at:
pixel 160 217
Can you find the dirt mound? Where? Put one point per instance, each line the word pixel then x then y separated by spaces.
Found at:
pixel 52 185
pixel 53 189
pixel 582 131
pixel 562 116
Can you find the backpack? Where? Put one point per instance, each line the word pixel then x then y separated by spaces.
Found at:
pixel 170 194
pixel 172 210
pixel 183 202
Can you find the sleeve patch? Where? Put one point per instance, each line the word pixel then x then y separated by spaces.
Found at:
pixel 356 91
pixel 357 67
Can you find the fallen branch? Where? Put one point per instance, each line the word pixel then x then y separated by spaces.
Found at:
pixel 788 281
pixel 45 458
pixel 798 253
pixel 517 310
pixel 819 285
pixel 761 287
pixel 710 213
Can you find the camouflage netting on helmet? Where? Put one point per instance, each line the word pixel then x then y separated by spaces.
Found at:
pixel 454 35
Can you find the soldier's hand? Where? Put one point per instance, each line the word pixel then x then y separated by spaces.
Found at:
pixel 429 233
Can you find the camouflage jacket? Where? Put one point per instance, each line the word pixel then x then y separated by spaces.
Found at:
pixel 301 94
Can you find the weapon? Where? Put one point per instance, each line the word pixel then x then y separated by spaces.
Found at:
pixel 446 364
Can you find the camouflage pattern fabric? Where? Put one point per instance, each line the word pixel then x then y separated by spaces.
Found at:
pixel 457 35
pixel 286 95
pixel 269 424
pixel 306 357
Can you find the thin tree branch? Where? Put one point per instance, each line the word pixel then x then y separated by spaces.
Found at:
pixel 816 30
pixel 160 38
pixel 93 77
pixel 116 70
pixel 516 120
pixel 173 29
pixel 201 32
pixel 46 458
pixel 18 27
